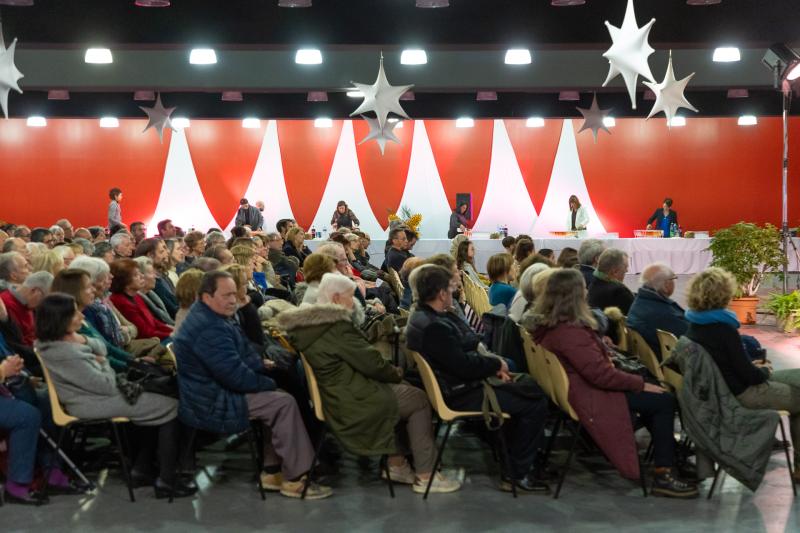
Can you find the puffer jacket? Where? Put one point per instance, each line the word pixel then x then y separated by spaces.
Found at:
pixel 217 366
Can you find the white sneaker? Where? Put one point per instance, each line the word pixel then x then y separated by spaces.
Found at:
pixel 441 485
pixel 401 474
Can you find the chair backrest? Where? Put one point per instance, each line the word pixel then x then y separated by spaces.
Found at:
pixel 560 383
pixel 432 389
pixel 395 283
pixel 404 313
pixel 667 341
pixel 171 355
pixel 476 296
pixel 313 389
pixel 639 347
pixel 622 336
pixel 60 417
pixel 536 363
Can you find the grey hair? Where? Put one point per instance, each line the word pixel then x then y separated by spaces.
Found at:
pixel 655 276
pixel 61 222
pixel 36 247
pixel 611 259
pixel 143 262
pixel 589 251
pixel 331 284
pixel 41 280
pixel 271 236
pixel 412 279
pixel 55 228
pixel 7 265
pixel 95 266
pixel 331 249
pixel 62 250
pixel 214 238
pixel 88 247
pixel 117 239
pixel 526 280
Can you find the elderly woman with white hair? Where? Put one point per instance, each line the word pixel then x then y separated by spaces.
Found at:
pixel 653 308
pixel 524 295
pixel 148 293
pixel 362 394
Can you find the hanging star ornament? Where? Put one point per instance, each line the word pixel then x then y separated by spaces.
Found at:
pixel 381 135
pixel 593 118
pixel 670 94
pixel 9 75
pixel 381 98
pixel 158 117
pixel 629 52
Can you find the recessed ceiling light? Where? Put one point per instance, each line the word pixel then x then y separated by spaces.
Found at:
pixel 727 54
pixel 98 56
pixel 37 122
pixel 567 3
pixel 534 122
pixel 57 94
pixel 355 94
pixel 294 3
pixel 323 123
pixel 518 56
pixel 413 56
pixel 109 122
pixel 317 96
pixel 677 122
pixel 203 56
pixel 486 96
pixel 251 123
pixel 152 3
pixel 609 122
pixel 464 122
pixel 308 56
pixel 433 3
pixel 180 123
pixel 748 120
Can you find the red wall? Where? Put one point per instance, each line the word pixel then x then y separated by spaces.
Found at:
pixel 717 172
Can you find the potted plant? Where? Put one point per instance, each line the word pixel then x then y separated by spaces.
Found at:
pixel 786 308
pixel 749 252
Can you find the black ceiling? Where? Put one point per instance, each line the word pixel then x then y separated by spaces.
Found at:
pixel 746 23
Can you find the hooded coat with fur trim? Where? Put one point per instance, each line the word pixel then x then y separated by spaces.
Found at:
pixel 359 406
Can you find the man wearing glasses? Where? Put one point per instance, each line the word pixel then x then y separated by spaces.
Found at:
pixel 654 308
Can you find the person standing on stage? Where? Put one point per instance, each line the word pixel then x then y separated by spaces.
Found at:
pixel 578 218
pixel 458 221
pixel 343 217
pixel 664 218
pixel 249 215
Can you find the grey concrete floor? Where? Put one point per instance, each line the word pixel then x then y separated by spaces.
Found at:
pixel 594 498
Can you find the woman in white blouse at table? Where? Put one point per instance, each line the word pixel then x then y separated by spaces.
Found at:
pixel 578 218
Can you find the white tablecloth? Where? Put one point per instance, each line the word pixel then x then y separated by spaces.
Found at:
pixel 684 256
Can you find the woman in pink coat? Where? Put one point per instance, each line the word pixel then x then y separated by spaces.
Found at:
pixel 605 399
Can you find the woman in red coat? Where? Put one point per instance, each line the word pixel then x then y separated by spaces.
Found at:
pixel 605 399
pixel 125 286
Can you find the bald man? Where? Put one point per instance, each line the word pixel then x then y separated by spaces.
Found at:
pixel 653 307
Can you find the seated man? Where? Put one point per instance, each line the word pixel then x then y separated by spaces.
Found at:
pixel 653 309
pixel 283 266
pixel 588 254
pixel 460 369
pixel 14 269
pixel 608 288
pixel 21 301
pixel 363 397
pixel 222 385
pixel 397 253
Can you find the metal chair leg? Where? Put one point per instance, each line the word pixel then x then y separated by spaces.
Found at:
pixel 506 461
pixel 313 463
pixel 439 453
pixel 251 443
pixel 190 447
pixel 642 480
pixel 714 483
pixel 125 471
pixel 385 469
pixel 49 467
pixel 552 440
pixel 788 457
pixel 567 463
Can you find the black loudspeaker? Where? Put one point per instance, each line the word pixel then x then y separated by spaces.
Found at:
pixel 465 198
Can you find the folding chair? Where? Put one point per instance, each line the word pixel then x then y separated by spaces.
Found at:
pixel 65 421
pixel 393 279
pixel 449 417
pixel 316 401
pixel 667 341
pixel 639 347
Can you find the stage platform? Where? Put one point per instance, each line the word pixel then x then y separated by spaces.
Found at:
pixel 684 256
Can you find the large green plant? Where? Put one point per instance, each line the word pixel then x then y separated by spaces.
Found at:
pixel 748 252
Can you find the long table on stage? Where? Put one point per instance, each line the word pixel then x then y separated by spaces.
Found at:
pixel 684 256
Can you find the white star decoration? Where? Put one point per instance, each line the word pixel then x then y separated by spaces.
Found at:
pixel 381 98
pixel 381 135
pixel 593 118
pixel 669 94
pixel 9 75
pixel 629 52
pixel 158 117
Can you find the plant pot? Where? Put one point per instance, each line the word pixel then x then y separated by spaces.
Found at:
pixel 786 324
pixel 745 309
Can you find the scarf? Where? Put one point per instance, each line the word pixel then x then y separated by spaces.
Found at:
pixel 713 316
pixel 604 277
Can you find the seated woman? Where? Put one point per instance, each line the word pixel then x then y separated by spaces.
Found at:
pixel 715 328
pixel 125 286
pixel 148 294
pixel 523 250
pixel 294 246
pixel 186 292
pixel 177 257
pixel 465 261
pixel 568 258
pixel 562 323
pixel 49 261
pixel 246 313
pixel 87 388
pixel 526 294
pixel 317 265
pixel 405 271
pixel 78 284
pixel 362 394
pixel 499 269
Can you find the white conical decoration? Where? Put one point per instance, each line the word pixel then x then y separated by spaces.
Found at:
pixel 268 183
pixel 181 199
pixel 344 183
pixel 424 192
pixel 566 180
pixel 507 201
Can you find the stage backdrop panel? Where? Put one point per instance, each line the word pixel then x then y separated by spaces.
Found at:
pixel 716 171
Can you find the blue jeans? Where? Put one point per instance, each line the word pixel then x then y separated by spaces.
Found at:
pixel 22 421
